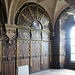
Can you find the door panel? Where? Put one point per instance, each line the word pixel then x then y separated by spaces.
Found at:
pixel 35 64
pixel 36 49
pixel 8 68
pixel 8 60
pixel 34 37
pixel 5 51
pixel 23 62
pixel 12 50
pixel 24 47
pixel 46 36
pixel 46 55
pixel 23 33
pixel 46 63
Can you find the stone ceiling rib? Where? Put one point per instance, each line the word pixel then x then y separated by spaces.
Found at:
pixel 50 6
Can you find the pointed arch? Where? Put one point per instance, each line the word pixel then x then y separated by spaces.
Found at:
pixel 3 13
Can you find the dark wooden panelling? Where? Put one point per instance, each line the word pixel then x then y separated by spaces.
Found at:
pixel 5 51
pixel 36 23
pixel 62 60
pixel 22 20
pixel 46 36
pixel 8 51
pixel 37 35
pixel 62 47
pixel 35 64
pixel 55 61
pixel 46 62
pixel 24 34
pixel 40 13
pixel 45 19
pixel 46 47
pixel 8 68
pixel 24 47
pixel 23 62
pixel 12 50
pixel 62 44
pixel 36 48
pixel 34 10
pixel 62 54
pixel 46 52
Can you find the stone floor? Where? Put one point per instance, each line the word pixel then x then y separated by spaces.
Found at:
pixel 55 72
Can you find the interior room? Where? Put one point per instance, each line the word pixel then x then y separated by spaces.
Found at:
pixel 39 34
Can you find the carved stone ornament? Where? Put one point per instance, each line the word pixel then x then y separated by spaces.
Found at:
pixel 10 31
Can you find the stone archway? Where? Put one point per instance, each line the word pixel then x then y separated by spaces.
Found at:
pixel 34 37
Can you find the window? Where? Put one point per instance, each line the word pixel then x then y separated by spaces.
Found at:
pixel 72 37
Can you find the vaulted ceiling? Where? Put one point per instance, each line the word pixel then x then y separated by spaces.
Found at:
pixel 71 2
pixel 53 7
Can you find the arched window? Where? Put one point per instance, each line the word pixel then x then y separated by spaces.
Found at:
pixel 72 37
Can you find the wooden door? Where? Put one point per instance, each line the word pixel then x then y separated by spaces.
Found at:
pixel 8 54
pixel 36 51
pixel 8 68
pixel 8 60
pixel 23 46
pixel 46 55
pixel 34 37
pixel 24 52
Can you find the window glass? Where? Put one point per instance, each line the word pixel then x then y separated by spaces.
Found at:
pixel 72 49
pixel 72 41
pixel 72 37
pixel 72 57
pixel 73 32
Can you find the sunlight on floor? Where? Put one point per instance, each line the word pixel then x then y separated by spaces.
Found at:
pixel 56 72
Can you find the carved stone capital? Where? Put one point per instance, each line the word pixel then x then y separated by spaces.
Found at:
pixel 10 31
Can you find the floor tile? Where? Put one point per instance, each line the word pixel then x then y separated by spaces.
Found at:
pixel 56 72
